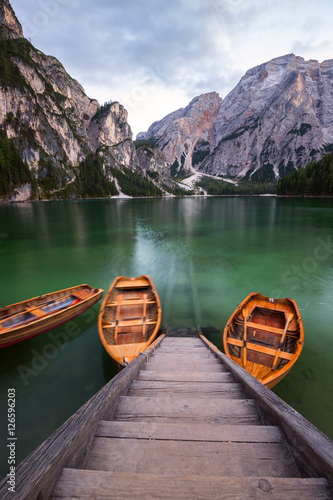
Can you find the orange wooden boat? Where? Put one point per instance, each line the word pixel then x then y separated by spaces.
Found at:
pixel 29 318
pixel 129 318
pixel 265 337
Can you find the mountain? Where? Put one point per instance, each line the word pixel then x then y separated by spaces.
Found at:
pixel 56 142
pixel 277 118
pixel 179 133
pixel 54 130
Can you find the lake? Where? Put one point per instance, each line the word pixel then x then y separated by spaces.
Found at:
pixel 204 255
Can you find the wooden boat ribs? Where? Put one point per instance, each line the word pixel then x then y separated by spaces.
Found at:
pixel 129 318
pixel 264 335
pixel 136 317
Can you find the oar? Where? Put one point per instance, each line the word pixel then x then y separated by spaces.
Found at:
pixel 289 318
pixel 246 314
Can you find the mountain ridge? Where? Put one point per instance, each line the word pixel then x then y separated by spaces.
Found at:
pixel 278 117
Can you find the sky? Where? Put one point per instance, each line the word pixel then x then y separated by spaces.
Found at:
pixel 155 56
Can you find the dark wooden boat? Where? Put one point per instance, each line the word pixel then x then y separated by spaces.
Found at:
pixel 129 318
pixel 29 318
pixel 265 337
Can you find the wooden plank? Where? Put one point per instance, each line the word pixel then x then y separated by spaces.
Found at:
pixel 194 432
pixel 190 458
pixel 190 341
pixel 89 484
pixel 184 361
pixel 181 342
pixel 130 302
pixel 180 376
pixel 258 348
pixel 67 446
pixel 187 353
pixel 312 450
pixel 168 410
pixel 133 284
pixel 265 328
pixel 189 366
pixel 179 389
pixel 128 322
pixel 180 355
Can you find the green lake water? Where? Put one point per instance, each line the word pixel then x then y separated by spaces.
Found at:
pixel 205 255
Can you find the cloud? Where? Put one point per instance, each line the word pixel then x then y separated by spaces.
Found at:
pixel 127 50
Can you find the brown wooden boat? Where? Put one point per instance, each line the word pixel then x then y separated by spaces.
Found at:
pixel 29 318
pixel 265 337
pixel 129 318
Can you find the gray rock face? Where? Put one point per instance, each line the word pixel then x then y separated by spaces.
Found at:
pixel 9 24
pixel 178 133
pixel 279 117
pixel 48 114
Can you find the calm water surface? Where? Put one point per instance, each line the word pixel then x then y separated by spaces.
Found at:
pixel 205 255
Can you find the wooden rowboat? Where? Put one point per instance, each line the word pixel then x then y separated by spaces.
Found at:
pixel 265 337
pixel 129 318
pixel 29 318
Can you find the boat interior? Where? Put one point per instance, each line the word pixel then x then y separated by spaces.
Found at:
pixel 130 314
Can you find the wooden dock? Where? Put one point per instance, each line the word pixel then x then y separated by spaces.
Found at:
pixel 181 422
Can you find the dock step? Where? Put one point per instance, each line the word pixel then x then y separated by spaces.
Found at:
pixel 187 365
pixel 179 389
pixel 90 484
pixel 194 432
pixel 180 376
pixel 168 409
pixel 190 458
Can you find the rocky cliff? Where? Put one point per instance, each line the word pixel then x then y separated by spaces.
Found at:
pixel 278 118
pixel 178 134
pixel 51 122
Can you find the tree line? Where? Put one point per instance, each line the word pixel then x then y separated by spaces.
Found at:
pixel 217 187
pixel 315 179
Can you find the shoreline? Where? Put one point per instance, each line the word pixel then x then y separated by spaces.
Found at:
pixel 126 198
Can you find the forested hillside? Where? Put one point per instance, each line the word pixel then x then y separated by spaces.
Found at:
pixel 316 179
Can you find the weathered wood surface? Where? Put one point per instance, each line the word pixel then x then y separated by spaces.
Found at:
pixel 197 389
pixel 191 458
pixel 187 409
pixel 194 432
pixel 180 376
pixel 171 364
pixel 88 484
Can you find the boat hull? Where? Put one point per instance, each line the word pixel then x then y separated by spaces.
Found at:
pixel 129 318
pixel 44 313
pixel 265 336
